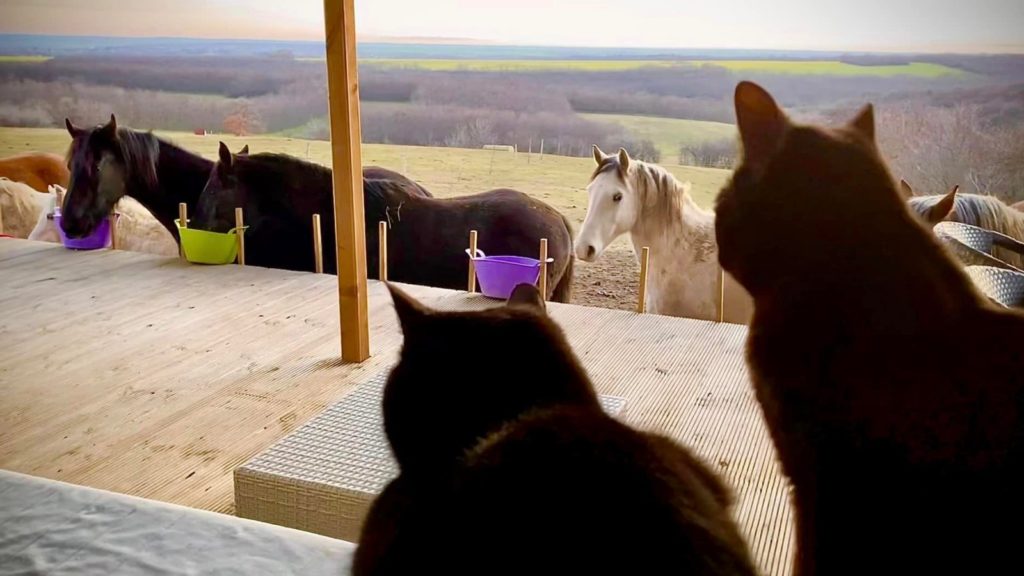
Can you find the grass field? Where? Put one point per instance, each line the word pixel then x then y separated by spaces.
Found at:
pixel 558 180
pixel 808 67
pixel 668 134
pixel 23 59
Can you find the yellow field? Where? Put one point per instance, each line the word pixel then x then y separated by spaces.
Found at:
pixel 668 134
pixel 807 67
pixel 558 180
pixel 24 59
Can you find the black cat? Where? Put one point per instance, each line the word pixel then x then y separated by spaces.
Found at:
pixel 509 465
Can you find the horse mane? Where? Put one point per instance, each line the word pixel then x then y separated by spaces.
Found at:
pixel 380 195
pixel 141 154
pixel 978 210
pixel 661 194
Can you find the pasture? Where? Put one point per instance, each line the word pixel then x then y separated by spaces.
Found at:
pixel 558 180
pixel 26 59
pixel 797 67
pixel 668 134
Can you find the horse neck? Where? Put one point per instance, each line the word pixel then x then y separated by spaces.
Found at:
pixel 670 222
pixel 181 177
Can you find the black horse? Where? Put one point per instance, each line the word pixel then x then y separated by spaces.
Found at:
pixel 428 237
pixel 108 162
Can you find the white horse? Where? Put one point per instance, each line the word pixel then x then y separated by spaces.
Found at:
pixel 645 200
pixel 20 206
pixel 137 229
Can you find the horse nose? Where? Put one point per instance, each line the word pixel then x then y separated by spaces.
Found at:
pixel 591 251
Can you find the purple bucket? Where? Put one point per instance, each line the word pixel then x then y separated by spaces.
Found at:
pixel 499 275
pixel 100 237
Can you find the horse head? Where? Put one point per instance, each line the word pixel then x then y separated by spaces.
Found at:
pixel 932 209
pixel 613 205
pixel 224 191
pixel 106 163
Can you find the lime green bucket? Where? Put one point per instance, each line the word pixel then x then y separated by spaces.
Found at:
pixel 205 247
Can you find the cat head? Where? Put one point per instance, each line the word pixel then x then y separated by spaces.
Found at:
pixel 804 198
pixel 463 375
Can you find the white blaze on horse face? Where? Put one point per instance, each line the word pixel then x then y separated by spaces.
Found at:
pixel 611 212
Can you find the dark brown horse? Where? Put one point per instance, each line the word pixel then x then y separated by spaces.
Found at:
pixel 108 162
pixel 427 237
pixel 39 170
pixel 278 195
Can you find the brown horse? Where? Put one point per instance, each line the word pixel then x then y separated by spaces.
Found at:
pixel 893 389
pixel 39 170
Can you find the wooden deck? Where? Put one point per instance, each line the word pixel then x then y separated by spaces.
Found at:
pixel 156 378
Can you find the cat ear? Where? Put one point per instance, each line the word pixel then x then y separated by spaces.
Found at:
pixel 761 123
pixel 906 190
pixel 599 156
pixel 410 312
pixel 527 296
pixel 864 123
pixel 943 208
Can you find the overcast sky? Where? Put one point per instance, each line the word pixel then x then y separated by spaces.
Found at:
pixel 918 25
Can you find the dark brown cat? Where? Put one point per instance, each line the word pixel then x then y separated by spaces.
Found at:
pixel 510 466
pixel 894 392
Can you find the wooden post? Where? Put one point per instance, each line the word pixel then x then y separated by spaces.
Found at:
pixel 183 218
pixel 240 235
pixel 346 139
pixel 721 294
pixel 472 266
pixel 382 250
pixel 1 219
pixel 645 258
pixel 541 150
pixel 113 230
pixel 544 268
pixel 318 246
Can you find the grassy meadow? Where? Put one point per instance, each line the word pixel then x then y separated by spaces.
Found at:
pixel 669 134
pixel 561 181
pixel 799 67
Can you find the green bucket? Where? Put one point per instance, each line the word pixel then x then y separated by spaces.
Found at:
pixel 205 247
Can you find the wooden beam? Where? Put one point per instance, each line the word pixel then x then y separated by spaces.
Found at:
pixel 346 137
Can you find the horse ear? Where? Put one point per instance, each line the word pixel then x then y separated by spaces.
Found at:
pixel 864 123
pixel 943 208
pixel 527 296
pixel 599 156
pixel 73 130
pixel 225 155
pixel 244 151
pixel 906 190
pixel 762 124
pixel 110 128
pixel 410 312
pixel 623 160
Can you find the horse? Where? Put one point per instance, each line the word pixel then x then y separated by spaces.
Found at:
pixel 379 173
pixel 20 207
pixel 109 162
pixel 427 237
pixel 40 170
pixel 657 211
pixel 1018 206
pixel 527 452
pixel 890 384
pixel 978 210
pixel 137 229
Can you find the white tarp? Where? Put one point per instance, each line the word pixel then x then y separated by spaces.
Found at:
pixel 53 528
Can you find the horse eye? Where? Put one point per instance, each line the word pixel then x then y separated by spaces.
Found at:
pixel 617 197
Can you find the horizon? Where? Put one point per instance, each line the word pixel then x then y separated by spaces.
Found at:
pixel 873 26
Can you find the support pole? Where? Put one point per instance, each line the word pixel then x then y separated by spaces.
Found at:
pixel 350 235
pixel 472 266
pixel 113 230
pixel 183 219
pixel 721 294
pixel 240 235
pixel 645 258
pixel 382 250
pixel 544 269
pixel 318 246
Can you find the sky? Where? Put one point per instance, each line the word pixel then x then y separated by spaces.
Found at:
pixel 870 25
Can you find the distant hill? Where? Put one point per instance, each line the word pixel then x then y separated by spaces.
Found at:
pixel 372 47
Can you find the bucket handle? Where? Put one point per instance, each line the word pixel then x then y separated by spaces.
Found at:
pixel 480 254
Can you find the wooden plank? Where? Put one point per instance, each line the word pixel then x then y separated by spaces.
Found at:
pixel 346 139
